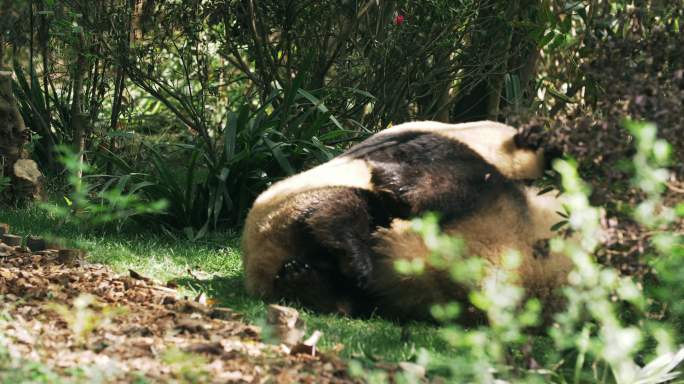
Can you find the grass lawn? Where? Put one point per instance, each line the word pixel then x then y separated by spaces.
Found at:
pixel 216 271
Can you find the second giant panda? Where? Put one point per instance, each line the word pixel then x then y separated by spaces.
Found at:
pixel 328 237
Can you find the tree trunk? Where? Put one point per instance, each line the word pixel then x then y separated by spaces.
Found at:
pixel 7 19
pixel 2 50
pixel 480 92
pixel 78 120
pixel 43 39
pixel 12 129
pixel 24 177
pixel 137 30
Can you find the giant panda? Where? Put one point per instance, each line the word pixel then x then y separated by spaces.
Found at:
pixel 328 237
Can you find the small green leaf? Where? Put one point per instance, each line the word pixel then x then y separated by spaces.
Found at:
pixel 279 156
pixel 680 209
pixel 558 225
pixel 564 214
pixel 321 107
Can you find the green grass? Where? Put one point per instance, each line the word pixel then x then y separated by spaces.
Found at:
pixel 17 371
pixel 217 259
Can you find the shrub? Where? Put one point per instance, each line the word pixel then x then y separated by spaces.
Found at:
pixel 606 332
pixel 212 184
pixel 87 207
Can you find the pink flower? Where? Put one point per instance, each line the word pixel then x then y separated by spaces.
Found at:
pixel 398 20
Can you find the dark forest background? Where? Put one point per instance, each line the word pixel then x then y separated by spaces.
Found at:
pixel 204 103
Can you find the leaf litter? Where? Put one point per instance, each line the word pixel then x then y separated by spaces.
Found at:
pixel 84 316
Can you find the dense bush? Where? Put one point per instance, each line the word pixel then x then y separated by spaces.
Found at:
pixel 609 331
pixel 212 182
pixel 172 75
pixel 109 78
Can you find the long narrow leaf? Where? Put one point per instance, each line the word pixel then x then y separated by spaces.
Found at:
pixel 280 158
pixel 321 107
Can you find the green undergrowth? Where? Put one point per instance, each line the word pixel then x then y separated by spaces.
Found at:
pixel 213 266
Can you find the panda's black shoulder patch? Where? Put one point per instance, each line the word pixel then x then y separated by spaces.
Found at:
pixel 416 148
pixel 429 172
pixel 378 143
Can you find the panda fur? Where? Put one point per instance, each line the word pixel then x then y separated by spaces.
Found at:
pixel 328 237
pixel 502 226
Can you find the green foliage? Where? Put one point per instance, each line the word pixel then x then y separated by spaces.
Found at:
pixel 86 315
pixel 207 185
pixel 186 367
pixel 668 260
pixel 4 183
pixel 378 70
pixel 15 370
pixel 86 207
pixel 45 113
pixel 593 340
pixel 195 63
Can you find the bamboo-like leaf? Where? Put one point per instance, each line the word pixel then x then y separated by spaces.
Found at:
pixel 321 107
pixel 278 155
pixel 360 92
pixel 558 225
pixel 138 186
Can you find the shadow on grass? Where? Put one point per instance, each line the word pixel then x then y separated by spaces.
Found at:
pixel 164 258
pixel 228 291
pixel 373 339
pixel 33 220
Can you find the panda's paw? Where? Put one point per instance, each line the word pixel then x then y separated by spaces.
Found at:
pixel 362 281
pixel 533 136
pixel 530 136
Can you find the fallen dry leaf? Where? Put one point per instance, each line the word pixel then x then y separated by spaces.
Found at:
pixel 130 343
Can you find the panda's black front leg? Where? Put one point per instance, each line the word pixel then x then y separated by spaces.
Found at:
pixel 340 224
pixel 300 282
pixel 354 259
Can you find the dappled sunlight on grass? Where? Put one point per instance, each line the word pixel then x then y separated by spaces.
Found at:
pixel 373 338
pixel 213 267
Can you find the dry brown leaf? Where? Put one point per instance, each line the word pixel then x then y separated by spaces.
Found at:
pixel 135 341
